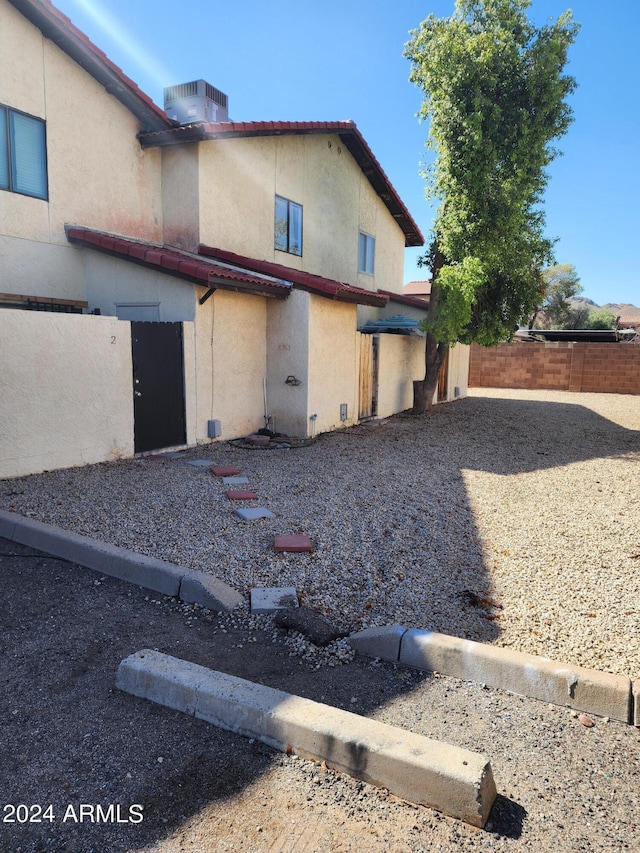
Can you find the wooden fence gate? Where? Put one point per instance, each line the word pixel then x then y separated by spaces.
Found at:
pixel 368 376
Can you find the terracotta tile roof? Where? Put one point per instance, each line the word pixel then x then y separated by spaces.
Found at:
pixel 305 281
pixel 59 29
pixel 181 264
pixel 403 299
pixel 159 129
pixel 348 132
pixel 417 288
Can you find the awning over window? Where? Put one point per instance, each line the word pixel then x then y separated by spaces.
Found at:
pixel 396 325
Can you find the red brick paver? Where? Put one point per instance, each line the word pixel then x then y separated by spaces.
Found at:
pixel 292 543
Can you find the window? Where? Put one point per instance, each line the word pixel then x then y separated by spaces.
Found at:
pixel 23 154
pixel 366 252
pixel 288 226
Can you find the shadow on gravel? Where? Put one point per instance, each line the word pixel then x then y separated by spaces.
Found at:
pixel 71 742
pixel 507 818
pixel 70 739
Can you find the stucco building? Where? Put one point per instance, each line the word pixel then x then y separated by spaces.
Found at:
pixel 198 278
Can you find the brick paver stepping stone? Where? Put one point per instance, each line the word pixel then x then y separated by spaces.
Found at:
pixel 292 543
pixel 235 481
pixel 224 471
pixel 241 495
pixel 251 513
pixel 267 599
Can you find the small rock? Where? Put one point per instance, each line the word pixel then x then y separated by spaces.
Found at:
pixel 313 625
pixel 586 720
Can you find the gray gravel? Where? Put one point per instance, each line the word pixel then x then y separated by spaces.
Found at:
pixel 70 738
pixel 509 517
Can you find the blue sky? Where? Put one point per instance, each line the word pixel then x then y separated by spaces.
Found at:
pixel 342 59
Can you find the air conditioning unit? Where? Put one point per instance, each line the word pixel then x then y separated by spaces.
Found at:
pixel 188 103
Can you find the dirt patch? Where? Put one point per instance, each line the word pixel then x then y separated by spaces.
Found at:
pixel 165 782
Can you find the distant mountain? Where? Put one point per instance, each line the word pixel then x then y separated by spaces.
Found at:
pixel 624 309
pixel 619 309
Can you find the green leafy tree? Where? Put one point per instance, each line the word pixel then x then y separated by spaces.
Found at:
pixel 601 319
pixel 561 283
pixel 495 96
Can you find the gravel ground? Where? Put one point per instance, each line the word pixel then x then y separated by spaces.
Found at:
pixel 509 517
pixel 69 739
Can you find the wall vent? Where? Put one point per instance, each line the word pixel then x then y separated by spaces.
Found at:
pixel 196 101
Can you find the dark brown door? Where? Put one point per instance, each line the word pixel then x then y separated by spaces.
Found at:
pixel 158 385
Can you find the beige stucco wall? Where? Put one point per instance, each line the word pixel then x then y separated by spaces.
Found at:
pixel 288 355
pixel 240 177
pixel 314 340
pixel 98 176
pixel 332 362
pixel 66 391
pixel 111 281
pixel 39 269
pixel 231 363
pixel 181 196
pixel 458 376
pixel 401 361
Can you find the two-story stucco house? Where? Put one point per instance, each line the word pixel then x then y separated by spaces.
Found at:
pixel 208 276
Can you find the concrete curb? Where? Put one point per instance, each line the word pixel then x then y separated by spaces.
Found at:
pixel 166 578
pixel 448 778
pixel 383 642
pixel 600 693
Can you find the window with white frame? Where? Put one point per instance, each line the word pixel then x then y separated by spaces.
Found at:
pixel 23 153
pixel 288 226
pixel 366 253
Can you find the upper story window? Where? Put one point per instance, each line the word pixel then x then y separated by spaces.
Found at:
pixel 23 154
pixel 288 226
pixel 366 253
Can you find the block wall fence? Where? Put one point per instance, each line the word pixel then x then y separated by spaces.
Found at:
pixel 612 368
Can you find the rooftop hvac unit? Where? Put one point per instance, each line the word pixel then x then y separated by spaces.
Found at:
pixel 196 101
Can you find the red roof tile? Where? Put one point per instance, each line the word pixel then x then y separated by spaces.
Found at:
pixel 303 280
pixel 417 288
pixel 346 130
pixel 177 263
pixel 159 129
pixel 403 299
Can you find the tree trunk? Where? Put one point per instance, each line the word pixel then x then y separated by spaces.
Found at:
pixel 435 351
pixel 425 389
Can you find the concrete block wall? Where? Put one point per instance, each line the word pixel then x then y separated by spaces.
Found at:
pixel 613 368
